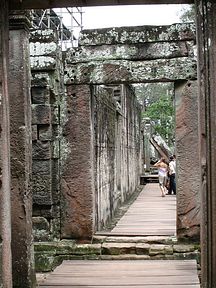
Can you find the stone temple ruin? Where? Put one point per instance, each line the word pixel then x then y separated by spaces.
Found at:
pixel 22 129
pixel 76 134
pixel 87 139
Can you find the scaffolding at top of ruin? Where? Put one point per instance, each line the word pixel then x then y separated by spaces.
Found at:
pixel 67 22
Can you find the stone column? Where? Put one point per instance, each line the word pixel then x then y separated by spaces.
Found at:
pixel 206 34
pixel 6 269
pixel 21 151
pixel 187 176
pixel 77 182
pixel 147 137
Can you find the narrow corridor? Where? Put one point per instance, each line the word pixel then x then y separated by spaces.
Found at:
pixel 149 215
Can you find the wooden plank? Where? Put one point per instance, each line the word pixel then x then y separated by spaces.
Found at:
pixel 143 285
pixel 138 273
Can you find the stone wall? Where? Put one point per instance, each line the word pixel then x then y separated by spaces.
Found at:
pixel 0 174
pixel 5 165
pixel 47 93
pixel 117 148
pixel 77 181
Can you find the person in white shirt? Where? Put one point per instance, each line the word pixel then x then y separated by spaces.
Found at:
pixel 172 173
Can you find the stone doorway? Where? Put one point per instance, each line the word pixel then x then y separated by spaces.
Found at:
pixel 115 57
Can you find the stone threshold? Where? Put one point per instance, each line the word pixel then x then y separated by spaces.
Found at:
pixel 110 237
pixel 48 255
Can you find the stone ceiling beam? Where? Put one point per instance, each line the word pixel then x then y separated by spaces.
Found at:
pixel 37 4
pixel 123 71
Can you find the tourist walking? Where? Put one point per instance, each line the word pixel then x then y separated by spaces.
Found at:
pixel 162 175
pixel 172 173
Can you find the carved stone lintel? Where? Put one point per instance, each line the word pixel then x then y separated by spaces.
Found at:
pixel 20 20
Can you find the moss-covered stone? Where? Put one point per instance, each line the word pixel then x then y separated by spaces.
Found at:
pixel 50 255
pixel 46 247
pixel 143 51
pixel 87 249
pixel 118 248
pixel 44 262
pixel 117 71
pixel 183 248
pixel 139 34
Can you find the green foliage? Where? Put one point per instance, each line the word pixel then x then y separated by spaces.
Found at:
pixel 161 114
pixel 188 14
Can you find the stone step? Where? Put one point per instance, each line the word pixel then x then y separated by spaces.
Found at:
pixel 48 255
pixel 106 238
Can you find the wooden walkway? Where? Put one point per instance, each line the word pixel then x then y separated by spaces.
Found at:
pixel 150 214
pixel 124 274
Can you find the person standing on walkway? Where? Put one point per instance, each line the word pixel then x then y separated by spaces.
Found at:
pixel 162 174
pixel 172 173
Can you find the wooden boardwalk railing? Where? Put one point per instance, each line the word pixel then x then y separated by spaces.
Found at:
pixel 150 214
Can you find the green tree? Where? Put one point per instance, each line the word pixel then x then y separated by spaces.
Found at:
pixel 161 114
pixel 187 13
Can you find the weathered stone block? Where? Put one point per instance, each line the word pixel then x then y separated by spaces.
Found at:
pixel 142 248
pixel 118 248
pixel 41 79
pixel 187 149
pixel 45 132
pixel 40 95
pixel 142 51
pixel 39 63
pixel 55 181
pixel 141 34
pixel 43 211
pixel 44 262
pixel 181 248
pixel 157 249
pixel 111 71
pixel 43 49
pixel 77 180
pixel 41 114
pixel 55 117
pixel 1 285
pixel 56 149
pixel 41 229
pixel 40 167
pixel 41 186
pixel 87 249
pixel 41 150
pixel 43 36
pixel 34 133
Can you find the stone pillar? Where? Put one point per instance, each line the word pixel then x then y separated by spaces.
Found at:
pixel 78 211
pixel 21 152
pixel 48 107
pixel 188 178
pixel 206 34
pixel 147 149
pixel 6 269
